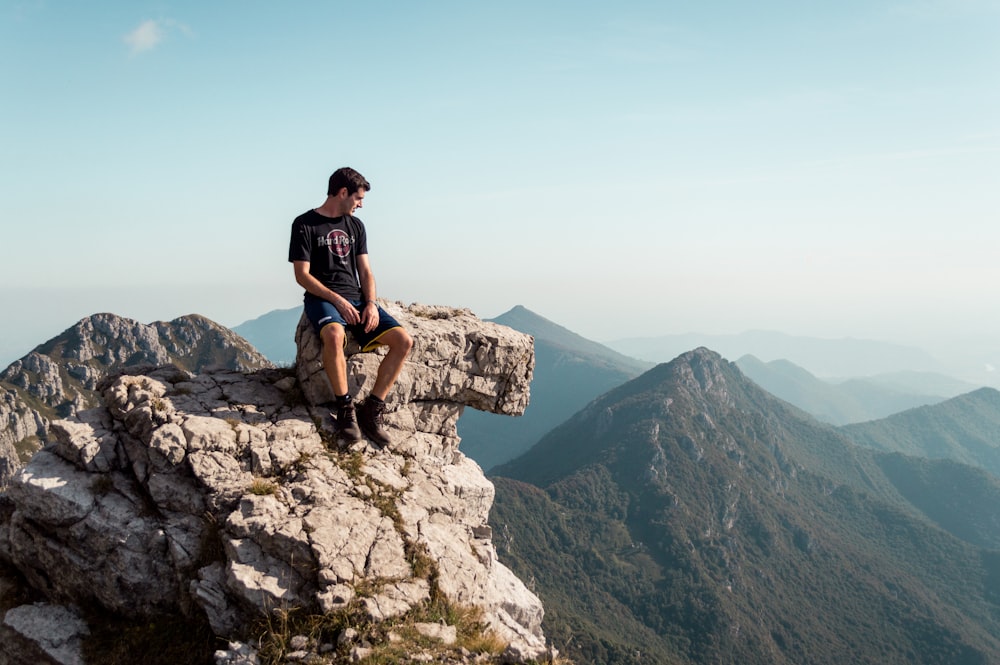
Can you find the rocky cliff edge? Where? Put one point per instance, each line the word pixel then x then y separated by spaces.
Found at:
pixel 223 496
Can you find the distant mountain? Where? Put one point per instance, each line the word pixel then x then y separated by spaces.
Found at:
pixel 570 371
pixel 273 334
pixel 846 357
pixel 964 429
pixel 59 378
pixel 961 499
pixel 688 516
pixel 920 383
pixel 850 401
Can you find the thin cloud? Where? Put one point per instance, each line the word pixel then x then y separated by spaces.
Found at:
pixel 145 37
pixel 150 33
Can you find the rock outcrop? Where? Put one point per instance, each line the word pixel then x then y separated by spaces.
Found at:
pixel 59 378
pixel 224 495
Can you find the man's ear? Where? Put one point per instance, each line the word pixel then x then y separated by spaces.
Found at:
pixel 342 193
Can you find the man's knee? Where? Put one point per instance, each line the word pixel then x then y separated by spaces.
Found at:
pixel 333 337
pixel 402 341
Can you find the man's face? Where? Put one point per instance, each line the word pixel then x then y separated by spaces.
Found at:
pixel 348 203
pixel 356 200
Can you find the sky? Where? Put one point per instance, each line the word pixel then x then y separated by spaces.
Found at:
pixel 624 169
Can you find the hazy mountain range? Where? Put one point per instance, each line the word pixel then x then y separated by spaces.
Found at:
pixel 972 359
pixel 570 371
pixel 851 400
pixel 822 357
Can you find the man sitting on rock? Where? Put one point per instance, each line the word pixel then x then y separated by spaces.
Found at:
pixel 329 252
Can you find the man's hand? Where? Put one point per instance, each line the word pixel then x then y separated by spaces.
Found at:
pixel 369 316
pixel 347 310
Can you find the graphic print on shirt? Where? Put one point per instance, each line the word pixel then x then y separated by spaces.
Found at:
pixel 338 241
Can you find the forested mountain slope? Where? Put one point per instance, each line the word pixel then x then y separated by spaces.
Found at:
pixel 688 516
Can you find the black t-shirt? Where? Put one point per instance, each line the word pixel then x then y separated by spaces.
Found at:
pixel 331 246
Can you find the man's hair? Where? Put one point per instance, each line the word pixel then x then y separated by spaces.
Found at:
pixel 349 178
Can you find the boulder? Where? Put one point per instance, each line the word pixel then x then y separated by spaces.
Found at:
pixel 463 361
pixel 40 632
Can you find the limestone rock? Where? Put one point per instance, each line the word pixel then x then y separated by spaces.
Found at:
pixel 463 360
pixel 55 631
pixel 58 379
pixel 437 631
pixel 224 492
pixel 18 425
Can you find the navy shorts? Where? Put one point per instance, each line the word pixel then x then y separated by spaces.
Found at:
pixel 322 312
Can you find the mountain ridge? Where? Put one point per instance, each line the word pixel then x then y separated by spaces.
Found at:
pixel 740 529
pixel 965 429
pixel 524 320
pixel 848 401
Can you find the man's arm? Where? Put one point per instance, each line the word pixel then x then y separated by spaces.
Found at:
pixel 369 314
pixel 315 287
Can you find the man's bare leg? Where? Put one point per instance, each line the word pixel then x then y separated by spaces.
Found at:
pixel 399 343
pixel 334 360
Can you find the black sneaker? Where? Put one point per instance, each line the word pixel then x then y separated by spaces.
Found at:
pixel 370 418
pixel 345 424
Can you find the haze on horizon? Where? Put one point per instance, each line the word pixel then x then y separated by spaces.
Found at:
pixel 634 170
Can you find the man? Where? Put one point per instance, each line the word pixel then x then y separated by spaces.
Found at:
pixel 329 252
